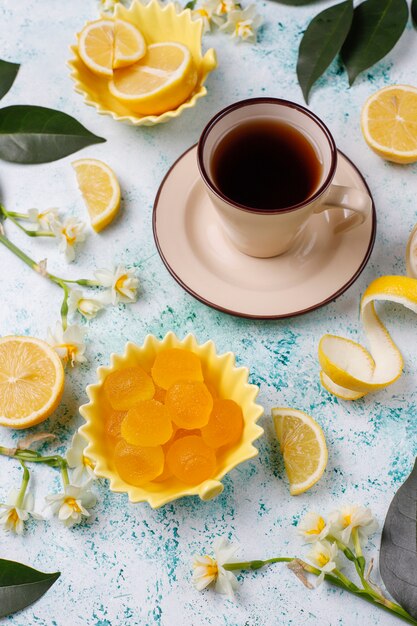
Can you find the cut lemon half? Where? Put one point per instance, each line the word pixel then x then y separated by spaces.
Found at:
pixel 100 190
pixel 389 123
pixel 161 81
pixel 349 371
pixel 106 44
pixel 31 381
pixel 303 447
pixel 411 254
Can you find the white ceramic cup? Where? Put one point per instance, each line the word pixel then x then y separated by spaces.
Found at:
pixel 261 233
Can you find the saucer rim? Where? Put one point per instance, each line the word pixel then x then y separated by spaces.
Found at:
pixel 241 314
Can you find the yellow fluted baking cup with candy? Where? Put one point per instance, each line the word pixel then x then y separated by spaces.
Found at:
pixel 349 370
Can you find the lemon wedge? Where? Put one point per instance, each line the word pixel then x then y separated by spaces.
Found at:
pixel 100 190
pixel 31 381
pixel 349 371
pixel 162 80
pixel 411 254
pixel 303 447
pixel 389 123
pixel 106 44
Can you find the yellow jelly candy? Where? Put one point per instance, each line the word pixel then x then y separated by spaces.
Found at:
pixel 147 423
pixel 225 424
pixel 166 473
pixel 175 365
pixel 113 421
pixel 137 465
pixel 189 404
pixel 191 460
pixel 126 387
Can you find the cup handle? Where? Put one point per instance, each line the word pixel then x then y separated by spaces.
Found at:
pixel 354 200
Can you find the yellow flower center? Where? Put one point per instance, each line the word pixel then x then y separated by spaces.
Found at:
pixel 243 29
pixel 13 517
pixel 73 504
pixel 316 531
pixel 88 462
pixel 120 282
pixel 347 520
pixel 322 559
pixel 212 569
pixel 202 12
pixel 70 240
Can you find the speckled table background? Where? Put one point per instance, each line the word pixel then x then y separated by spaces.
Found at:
pixel 130 565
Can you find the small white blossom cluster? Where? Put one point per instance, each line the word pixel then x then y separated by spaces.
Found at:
pixel 70 507
pixel 68 231
pixel 120 285
pixel 229 17
pixel 349 525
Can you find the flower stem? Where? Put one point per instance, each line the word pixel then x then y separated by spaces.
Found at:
pixel 31 233
pixel 254 565
pixel 25 481
pixel 64 473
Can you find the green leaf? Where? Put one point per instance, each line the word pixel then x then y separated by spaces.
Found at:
pixel 414 12
pixel 191 4
pixel 21 585
pixel 321 42
pixel 377 25
pixel 297 3
pixel 32 134
pixel 8 72
pixel 398 552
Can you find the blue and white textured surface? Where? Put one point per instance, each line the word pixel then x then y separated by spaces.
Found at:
pixel 130 565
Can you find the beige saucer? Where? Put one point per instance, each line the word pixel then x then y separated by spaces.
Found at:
pixel 320 266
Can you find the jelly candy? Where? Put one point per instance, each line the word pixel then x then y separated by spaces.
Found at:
pixel 125 387
pixel 113 421
pixel 147 423
pixel 174 365
pixel 189 404
pixel 159 394
pixel 191 460
pixel 137 465
pixel 225 424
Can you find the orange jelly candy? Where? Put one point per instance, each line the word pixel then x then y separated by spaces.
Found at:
pixel 174 365
pixel 159 394
pixel 136 465
pixel 113 421
pixel 191 460
pixel 189 404
pixel 123 388
pixel 225 425
pixel 147 423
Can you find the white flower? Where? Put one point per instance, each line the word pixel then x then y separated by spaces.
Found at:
pixel 89 307
pixel 13 517
pixel 77 461
pixel 68 343
pixel 243 24
pixel 43 220
pixel 224 7
pixel 69 232
pixel 206 12
pixel 208 570
pixel 123 284
pixel 313 527
pixel 72 505
pixel 349 517
pixel 108 6
pixel 324 556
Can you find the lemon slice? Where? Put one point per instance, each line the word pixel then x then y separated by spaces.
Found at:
pixel 411 254
pixel 31 381
pixel 106 44
pixel 161 81
pixel 100 190
pixel 349 371
pixel 389 123
pixel 303 447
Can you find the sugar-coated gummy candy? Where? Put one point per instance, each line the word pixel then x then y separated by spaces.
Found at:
pixel 125 387
pixel 174 365
pixel 191 460
pixel 147 423
pixel 159 394
pixel 189 404
pixel 225 425
pixel 138 465
pixel 113 421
